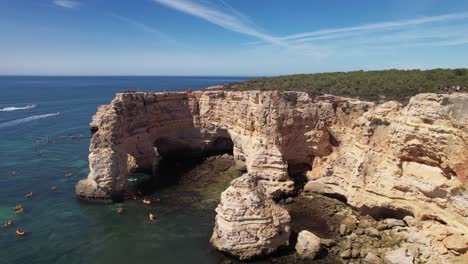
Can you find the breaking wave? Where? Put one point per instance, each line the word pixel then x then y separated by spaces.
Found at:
pixel 25 120
pixel 11 108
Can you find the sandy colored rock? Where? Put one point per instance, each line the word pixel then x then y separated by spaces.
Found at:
pixel 308 245
pixel 371 258
pixel 457 242
pixel 248 224
pixel 393 158
pixel 399 256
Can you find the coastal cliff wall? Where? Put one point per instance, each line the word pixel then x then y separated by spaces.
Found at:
pixel 269 131
pixel 384 159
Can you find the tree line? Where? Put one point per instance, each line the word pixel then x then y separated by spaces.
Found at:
pixel 368 85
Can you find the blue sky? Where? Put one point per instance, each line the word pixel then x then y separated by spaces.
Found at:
pixel 229 37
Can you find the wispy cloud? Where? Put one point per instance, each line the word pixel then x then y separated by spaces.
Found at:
pixel 138 25
pixel 377 26
pixel 71 4
pixel 143 27
pixel 229 19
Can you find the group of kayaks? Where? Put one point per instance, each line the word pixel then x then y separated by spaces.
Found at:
pixel 151 216
pixel 20 209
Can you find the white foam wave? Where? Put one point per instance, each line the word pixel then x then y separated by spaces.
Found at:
pixel 25 120
pixel 12 108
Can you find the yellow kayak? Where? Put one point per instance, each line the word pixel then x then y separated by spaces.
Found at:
pixel 152 217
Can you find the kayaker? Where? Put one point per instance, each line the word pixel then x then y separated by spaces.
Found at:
pixel 152 217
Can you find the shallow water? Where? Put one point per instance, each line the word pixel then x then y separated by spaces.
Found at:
pixel 37 143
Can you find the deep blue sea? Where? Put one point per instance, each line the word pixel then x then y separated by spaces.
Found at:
pixel 40 118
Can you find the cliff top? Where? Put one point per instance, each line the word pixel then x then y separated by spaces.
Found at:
pixel 397 85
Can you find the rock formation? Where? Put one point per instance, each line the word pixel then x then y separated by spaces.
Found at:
pixel 248 224
pixel 389 160
pixel 403 160
pixel 308 245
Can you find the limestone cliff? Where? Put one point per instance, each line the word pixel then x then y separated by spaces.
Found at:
pixel 402 160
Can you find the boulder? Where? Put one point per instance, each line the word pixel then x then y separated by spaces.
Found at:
pixel 456 242
pixel 371 258
pixel 390 222
pixel 343 229
pixel 399 256
pixel 372 232
pixel 346 254
pixel 308 245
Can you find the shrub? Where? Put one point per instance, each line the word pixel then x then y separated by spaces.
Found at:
pixel 290 97
pixel 368 85
pixel 379 122
pixel 445 101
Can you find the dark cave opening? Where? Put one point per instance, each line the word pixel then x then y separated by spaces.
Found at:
pixel 382 212
pixel 179 157
pixel 298 172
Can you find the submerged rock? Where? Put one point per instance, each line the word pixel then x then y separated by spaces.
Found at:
pixel 308 245
pixel 248 223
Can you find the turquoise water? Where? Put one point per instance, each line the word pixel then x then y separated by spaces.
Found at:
pixel 37 142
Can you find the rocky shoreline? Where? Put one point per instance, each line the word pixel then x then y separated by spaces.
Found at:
pixel 344 234
pixel 404 166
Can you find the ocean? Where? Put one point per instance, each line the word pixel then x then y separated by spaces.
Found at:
pixel 44 134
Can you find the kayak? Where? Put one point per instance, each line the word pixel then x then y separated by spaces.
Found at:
pixel 152 217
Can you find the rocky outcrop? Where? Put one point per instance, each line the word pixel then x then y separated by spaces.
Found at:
pixel 270 131
pixel 388 160
pixel 403 160
pixel 248 224
pixel 308 245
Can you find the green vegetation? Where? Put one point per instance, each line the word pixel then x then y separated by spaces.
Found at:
pixel 379 122
pixel 445 101
pixel 369 85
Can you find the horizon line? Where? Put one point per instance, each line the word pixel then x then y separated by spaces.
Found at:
pixel 221 75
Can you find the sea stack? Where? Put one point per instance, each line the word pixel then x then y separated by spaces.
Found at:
pixel 248 223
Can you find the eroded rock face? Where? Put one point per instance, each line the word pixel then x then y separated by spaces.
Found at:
pixel 386 159
pixel 269 131
pixel 412 162
pixel 248 223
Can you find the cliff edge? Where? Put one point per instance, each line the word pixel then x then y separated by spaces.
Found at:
pixel 383 159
